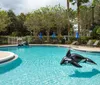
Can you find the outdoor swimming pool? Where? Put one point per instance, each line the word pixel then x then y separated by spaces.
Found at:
pixel 40 65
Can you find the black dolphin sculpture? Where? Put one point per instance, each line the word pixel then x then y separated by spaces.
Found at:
pixel 74 59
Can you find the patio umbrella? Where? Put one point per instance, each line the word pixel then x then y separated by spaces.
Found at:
pixel 77 35
pixel 40 35
pixel 53 35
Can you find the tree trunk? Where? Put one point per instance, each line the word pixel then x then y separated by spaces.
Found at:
pixel 48 37
pixel 35 34
pixel 68 19
pixel 59 33
pixel 78 15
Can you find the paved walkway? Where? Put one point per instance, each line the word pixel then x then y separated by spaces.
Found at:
pixel 86 48
pixel 77 47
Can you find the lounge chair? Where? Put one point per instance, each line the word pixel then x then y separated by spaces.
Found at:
pixel 75 43
pixel 96 43
pixel 89 43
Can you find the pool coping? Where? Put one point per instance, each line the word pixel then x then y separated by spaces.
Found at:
pixel 73 47
pixel 7 57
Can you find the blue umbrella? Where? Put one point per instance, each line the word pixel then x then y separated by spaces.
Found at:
pixel 53 35
pixel 40 35
pixel 77 35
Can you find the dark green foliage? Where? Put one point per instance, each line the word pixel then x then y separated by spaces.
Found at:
pixel 98 30
pixel 83 40
pixel 16 27
pixel 22 29
pixel 95 33
pixel 3 40
pixel 4 20
pixel 12 27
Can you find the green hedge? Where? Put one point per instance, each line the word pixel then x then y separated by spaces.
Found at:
pixel 81 40
pixel 3 40
pixel 84 40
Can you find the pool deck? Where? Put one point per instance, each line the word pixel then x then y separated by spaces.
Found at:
pixel 74 47
pixel 85 48
pixel 77 47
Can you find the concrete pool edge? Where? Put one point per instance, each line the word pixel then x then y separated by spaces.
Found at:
pixel 73 47
pixel 7 57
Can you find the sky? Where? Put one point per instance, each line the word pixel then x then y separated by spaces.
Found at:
pixel 19 6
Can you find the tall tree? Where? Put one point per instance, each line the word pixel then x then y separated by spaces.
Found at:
pixel 60 18
pixel 4 20
pixel 85 20
pixel 79 3
pixel 47 19
pixel 22 29
pixel 68 18
pixel 33 22
pixel 13 26
pixel 96 10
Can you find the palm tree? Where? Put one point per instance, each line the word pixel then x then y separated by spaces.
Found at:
pixel 68 18
pixel 79 3
pixel 94 2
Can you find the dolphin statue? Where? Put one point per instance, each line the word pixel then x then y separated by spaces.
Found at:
pixel 74 59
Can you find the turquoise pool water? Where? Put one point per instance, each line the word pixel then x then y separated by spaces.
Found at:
pixel 40 65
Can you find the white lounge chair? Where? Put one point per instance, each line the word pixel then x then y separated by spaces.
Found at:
pixel 89 43
pixel 96 43
pixel 75 43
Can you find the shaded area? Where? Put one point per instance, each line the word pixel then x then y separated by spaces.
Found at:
pixel 85 74
pixel 10 66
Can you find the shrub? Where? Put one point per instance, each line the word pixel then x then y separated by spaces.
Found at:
pixel 72 39
pixel 96 32
pixel 3 40
pixel 83 39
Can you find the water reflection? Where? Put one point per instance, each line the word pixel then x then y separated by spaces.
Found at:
pixel 85 74
pixel 10 66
